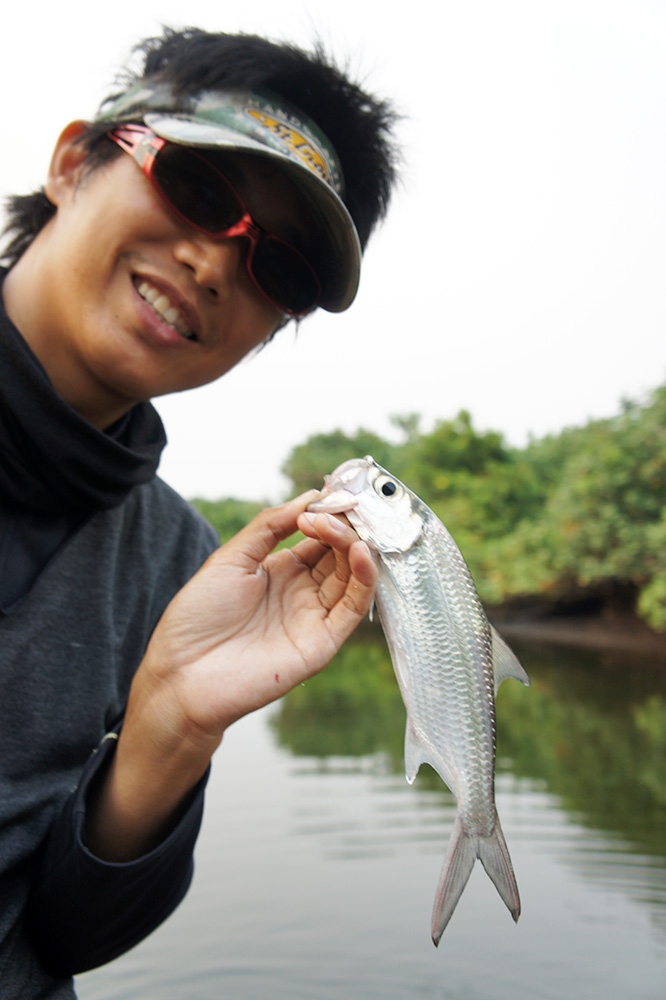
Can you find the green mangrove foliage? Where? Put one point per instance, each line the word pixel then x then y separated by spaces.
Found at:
pixel 603 520
pixel 574 514
pixel 308 463
pixel 228 516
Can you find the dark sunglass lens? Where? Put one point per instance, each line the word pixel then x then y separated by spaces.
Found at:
pixel 284 275
pixel 195 189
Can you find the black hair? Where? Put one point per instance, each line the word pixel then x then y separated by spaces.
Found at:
pixel 358 124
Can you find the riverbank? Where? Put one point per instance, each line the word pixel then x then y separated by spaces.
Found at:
pixel 618 631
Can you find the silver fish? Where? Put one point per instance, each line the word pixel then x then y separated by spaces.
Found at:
pixel 448 660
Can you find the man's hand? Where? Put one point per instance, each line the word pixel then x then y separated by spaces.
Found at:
pixel 248 627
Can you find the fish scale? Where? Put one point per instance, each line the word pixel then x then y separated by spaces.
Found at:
pixel 444 647
pixel 448 661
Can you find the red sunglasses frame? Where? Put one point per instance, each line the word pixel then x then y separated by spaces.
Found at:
pixel 143 145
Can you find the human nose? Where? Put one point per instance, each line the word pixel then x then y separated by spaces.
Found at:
pixel 215 263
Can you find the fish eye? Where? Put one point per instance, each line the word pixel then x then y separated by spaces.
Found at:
pixel 386 487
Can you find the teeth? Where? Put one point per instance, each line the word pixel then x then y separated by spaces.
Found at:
pixel 149 294
pixel 162 305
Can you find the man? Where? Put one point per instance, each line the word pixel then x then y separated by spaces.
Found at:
pixel 229 187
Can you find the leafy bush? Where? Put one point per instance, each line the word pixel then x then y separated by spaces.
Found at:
pixel 573 513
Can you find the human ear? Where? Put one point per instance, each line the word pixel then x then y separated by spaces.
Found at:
pixel 66 162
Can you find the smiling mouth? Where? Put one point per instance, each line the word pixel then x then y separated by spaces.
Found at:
pixel 164 308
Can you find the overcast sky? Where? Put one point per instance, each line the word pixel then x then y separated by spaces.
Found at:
pixel 521 272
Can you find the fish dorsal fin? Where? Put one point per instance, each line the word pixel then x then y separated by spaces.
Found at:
pixel 505 662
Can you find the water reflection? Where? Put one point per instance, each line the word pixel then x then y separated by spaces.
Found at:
pixel 317 863
pixel 353 709
pixel 590 732
pixel 593 730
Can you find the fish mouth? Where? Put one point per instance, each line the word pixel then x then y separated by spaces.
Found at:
pixel 335 502
pixel 342 487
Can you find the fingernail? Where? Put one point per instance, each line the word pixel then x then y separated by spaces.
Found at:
pixel 336 523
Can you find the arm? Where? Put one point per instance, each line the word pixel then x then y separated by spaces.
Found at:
pixel 248 627
pixel 85 911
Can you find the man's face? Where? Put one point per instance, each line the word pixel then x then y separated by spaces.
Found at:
pixel 126 300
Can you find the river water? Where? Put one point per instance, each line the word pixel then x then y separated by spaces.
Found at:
pixel 317 863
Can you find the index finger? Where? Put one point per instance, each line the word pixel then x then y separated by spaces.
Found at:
pixel 260 536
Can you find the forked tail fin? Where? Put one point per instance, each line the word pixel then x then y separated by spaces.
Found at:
pixel 457 868
pixel 495 859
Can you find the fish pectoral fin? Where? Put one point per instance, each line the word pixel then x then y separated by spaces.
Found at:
pixel 505 662
pixel 414 753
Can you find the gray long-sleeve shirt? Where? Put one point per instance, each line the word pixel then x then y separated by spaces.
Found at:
pixel 68 653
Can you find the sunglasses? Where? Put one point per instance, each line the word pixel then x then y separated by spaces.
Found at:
pixel 202 196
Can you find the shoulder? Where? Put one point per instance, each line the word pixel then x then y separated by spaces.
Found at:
pixel 157 519
pixel 153 542
pixel 157 502
pixel 127 563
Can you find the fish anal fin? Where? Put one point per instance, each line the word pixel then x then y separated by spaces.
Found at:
pixel 505 662
pixel 414 753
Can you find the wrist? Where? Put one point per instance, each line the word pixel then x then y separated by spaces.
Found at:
pixel 160 757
